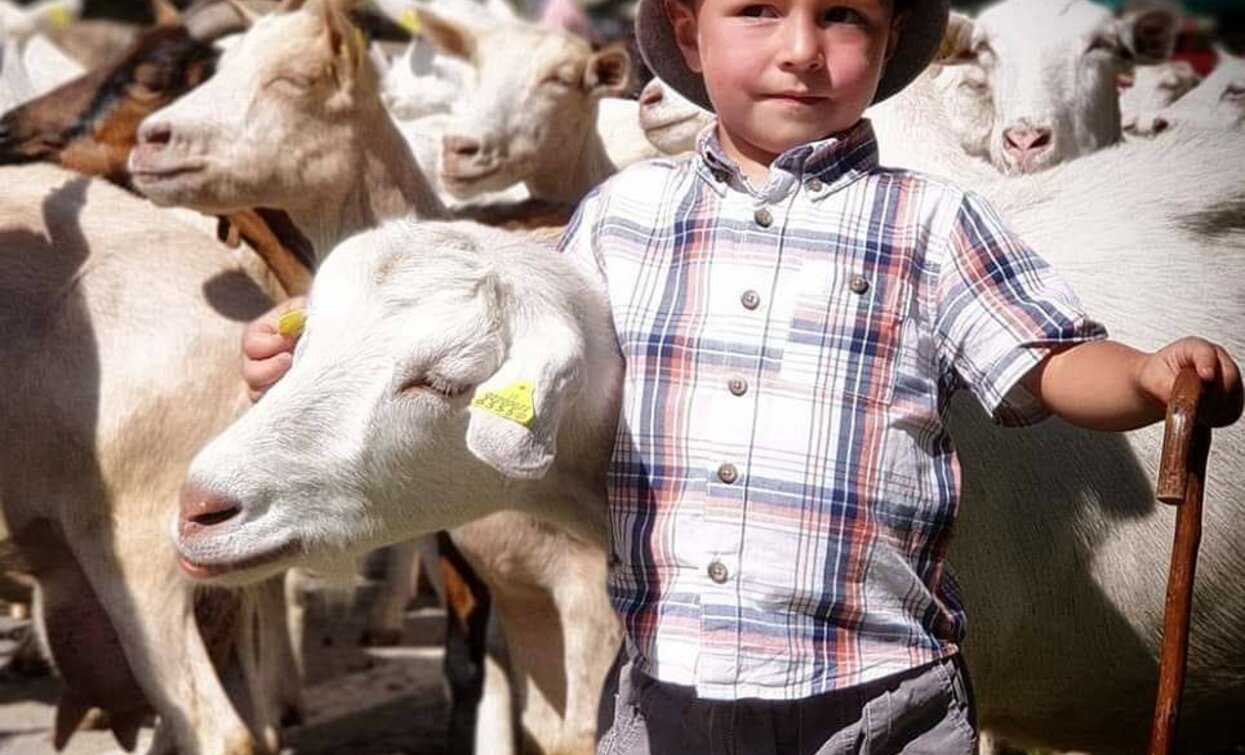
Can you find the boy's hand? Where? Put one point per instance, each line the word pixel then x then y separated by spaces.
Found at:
pixel 1223 399
pixel 267 353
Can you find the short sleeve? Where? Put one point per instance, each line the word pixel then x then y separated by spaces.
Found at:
pixel 579 240
pixel 1002 309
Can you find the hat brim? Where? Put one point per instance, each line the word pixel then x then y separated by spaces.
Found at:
pixel 922 33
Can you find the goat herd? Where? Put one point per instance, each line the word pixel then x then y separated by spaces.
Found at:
pixel 133 455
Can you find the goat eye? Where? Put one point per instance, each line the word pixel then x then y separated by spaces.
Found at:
pixel 432 384
pixel 1102 44
pixel 292 82
pixel 1234 92
pixel 150 76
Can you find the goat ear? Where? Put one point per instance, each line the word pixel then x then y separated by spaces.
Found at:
pixel 345 39
pixel 608 72
pixel 957 41
pixel 448 36
pixel 514 416
pixel 1150 33
pixel 49 14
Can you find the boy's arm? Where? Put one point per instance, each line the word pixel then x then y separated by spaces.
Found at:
pixel 1104 385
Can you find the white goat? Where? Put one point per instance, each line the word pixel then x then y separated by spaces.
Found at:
pixel 428 81
pixel 30 65
pixel 1218 103
pixel 1031 83
pixel 670 120
pixel 313 140
pixel 119 361
pixel 1171 212
pixel 421 81
pixel 532 115
pixel 1151 89
pixel 509 319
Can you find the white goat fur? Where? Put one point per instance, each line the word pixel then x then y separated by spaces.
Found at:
pixel 532 115
pixel 1218 103
pixel 500 309
pixel 119 362
pixel 30 64
pixel 425 81
pixel 361 174
pixel 1029 65
pixel 1153 88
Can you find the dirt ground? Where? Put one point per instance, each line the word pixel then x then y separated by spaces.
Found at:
pixel 373 701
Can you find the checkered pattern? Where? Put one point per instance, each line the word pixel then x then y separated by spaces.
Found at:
pixel 783 488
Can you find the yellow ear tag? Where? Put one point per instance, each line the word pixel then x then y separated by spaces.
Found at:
pixel 59 16
pixel 409 20
pixel 514 402
pixel 360 45
pixel 292 322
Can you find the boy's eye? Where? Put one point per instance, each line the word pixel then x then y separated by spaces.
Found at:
pixel 842 15
pixel 758 11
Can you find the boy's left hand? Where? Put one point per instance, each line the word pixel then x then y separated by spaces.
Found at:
pixel 1223 400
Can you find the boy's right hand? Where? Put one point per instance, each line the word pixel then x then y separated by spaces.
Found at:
pixel 267 353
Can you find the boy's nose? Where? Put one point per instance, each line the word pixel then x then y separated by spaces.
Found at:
pixel 801 50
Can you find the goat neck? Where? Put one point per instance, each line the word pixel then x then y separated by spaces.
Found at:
pixel 589 165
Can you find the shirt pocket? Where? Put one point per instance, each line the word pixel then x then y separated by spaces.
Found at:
pixel 846 331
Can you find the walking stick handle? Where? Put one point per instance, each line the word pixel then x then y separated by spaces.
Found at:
pixel 1178 436
pixel 1186 444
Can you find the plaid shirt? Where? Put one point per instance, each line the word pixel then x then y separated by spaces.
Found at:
pixel 783 488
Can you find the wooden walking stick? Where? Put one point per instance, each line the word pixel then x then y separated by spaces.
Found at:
pixel 1186 443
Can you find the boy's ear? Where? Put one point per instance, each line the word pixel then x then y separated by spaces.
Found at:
pixel 683 22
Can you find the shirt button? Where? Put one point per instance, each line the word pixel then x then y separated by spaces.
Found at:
pixel 718 572
pixel 728 474
pixel 814 184
pixel 859 284
pixel 751 299
pixel 763 218
pixel 737 386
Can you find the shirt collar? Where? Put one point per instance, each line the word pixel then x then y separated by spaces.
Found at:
pixel 833 162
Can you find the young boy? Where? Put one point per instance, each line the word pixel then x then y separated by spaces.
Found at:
pixel 794 319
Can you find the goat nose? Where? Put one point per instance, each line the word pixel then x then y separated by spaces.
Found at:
pixel 201 509
pixel 1159 125
pixel 155 134
pixel 651 95
pixel 462 146
pixel 1026 143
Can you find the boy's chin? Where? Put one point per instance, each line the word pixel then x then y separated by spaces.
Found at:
pixel 781 137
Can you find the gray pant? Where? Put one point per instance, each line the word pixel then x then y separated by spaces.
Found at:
pixel 926 711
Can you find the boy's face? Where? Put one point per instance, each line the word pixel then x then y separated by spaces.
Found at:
pixel 785 72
